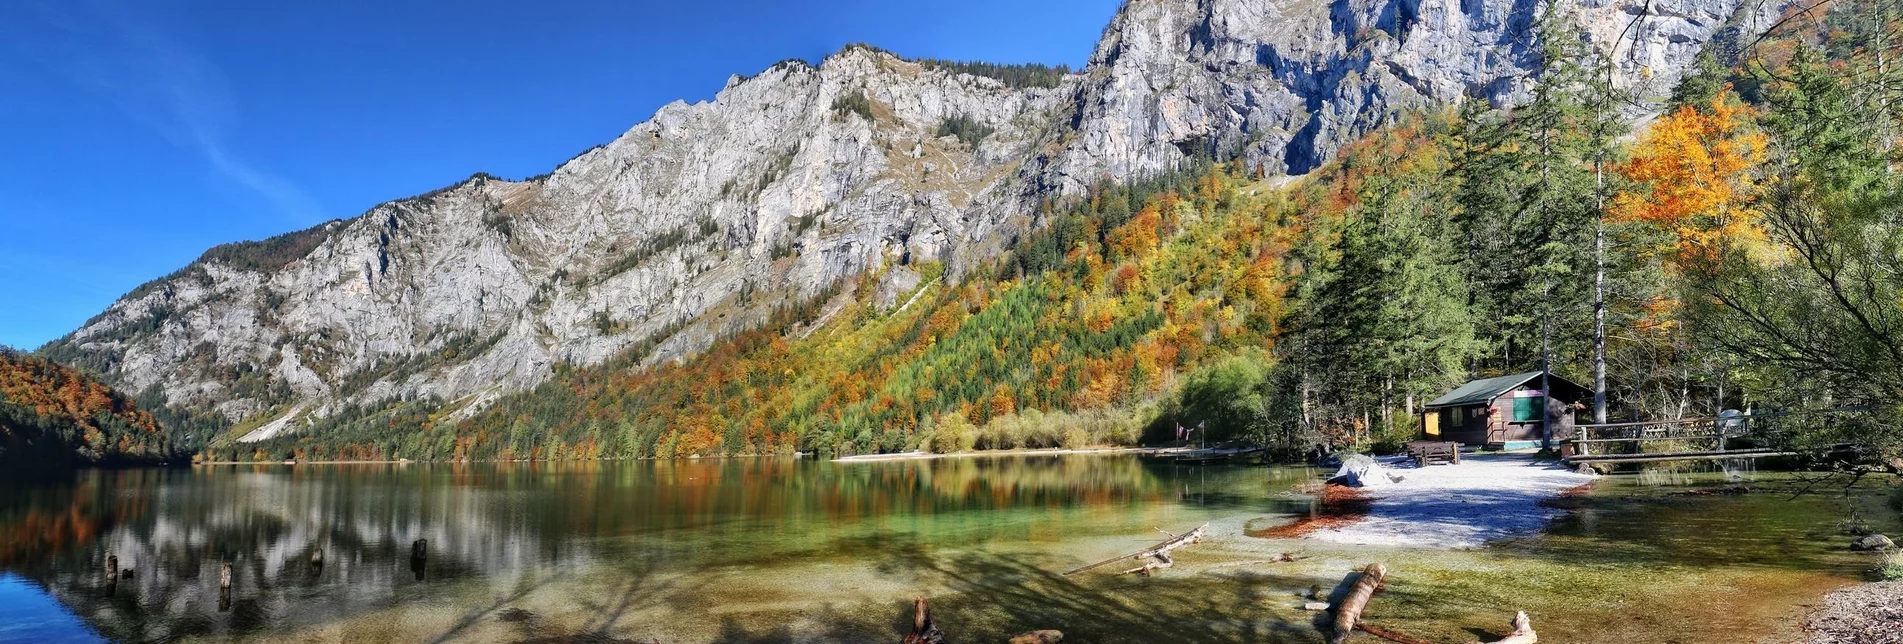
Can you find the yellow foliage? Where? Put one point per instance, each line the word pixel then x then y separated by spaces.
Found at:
pixel 1691 175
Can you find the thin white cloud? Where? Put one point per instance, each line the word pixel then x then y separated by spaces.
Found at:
pixel 113 49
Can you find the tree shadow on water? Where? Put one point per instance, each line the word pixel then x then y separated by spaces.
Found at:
pixel 997 596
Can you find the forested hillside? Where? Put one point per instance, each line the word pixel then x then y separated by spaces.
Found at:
pixel 54 415
pixel 1729 254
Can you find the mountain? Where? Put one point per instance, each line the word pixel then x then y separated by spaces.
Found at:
pixel 705 220
pixel 53 415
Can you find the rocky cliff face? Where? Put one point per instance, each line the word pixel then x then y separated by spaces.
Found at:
pixel 1284 83
pixel 700 220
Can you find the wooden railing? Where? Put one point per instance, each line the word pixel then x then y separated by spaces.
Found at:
pixel 1684 429
pixel 1722 433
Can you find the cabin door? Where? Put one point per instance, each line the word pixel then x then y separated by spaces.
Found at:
pixel 1430 423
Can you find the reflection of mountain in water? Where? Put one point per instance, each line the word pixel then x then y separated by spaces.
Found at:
pixel 506 525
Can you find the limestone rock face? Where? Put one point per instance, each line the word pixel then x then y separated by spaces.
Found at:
pixel 700 220
pixel 1285 83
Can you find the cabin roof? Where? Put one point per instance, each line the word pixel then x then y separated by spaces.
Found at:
pixel 1481 391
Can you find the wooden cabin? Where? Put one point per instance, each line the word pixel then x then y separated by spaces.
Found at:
pixel 1504 412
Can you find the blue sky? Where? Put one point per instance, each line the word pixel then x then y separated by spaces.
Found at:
pixel 134 134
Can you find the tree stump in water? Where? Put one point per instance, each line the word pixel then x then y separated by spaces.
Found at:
pixel 419 555
pixel 224 587
pixel 924 630
pixel 1522 631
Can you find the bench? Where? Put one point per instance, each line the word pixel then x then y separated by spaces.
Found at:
pixel 1434 452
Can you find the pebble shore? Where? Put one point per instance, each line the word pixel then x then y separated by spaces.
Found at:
pixel 1862 614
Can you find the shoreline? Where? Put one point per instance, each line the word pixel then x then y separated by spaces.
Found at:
pixel 1870 612
pixel 919 456
pixel 863 458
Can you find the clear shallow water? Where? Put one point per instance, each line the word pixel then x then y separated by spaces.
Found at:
pixel 764 550
pixel 29 614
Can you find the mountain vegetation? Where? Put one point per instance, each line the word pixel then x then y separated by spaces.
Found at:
pixel 53 415
pixel 1739 251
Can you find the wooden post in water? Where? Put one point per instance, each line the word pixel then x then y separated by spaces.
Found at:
pixel 224 586
pixel 419 555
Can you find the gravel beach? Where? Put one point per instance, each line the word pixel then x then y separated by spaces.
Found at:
pixel 1861 614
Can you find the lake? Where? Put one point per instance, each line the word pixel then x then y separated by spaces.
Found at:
pixel 768 550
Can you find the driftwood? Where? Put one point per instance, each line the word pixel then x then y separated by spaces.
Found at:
pixel 924 630
pixel 1160 552
pixel 1349 611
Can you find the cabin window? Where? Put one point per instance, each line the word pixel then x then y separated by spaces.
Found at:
pixel 1528 409
pixel 1453 416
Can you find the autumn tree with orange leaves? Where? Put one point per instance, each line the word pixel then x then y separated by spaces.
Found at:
pixel 1691 177
pixel 52 414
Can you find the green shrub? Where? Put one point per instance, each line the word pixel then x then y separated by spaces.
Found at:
pixel 853 102
pixel 953 433
pixel 1017 76
pixel 970 131
pixel 1227 395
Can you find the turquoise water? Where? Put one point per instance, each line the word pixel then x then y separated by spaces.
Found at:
pixel 494 530
pixel 776 550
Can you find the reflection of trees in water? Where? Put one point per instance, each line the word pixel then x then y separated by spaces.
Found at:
pixel 505 525
pixel 173 529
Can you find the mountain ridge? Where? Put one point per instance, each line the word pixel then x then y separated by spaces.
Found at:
pixel 697 223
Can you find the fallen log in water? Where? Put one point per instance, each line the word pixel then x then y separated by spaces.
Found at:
pixel 1349 611
pixel 1160 552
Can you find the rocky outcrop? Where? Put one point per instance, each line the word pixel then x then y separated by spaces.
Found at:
pixel 1284 84
pixel 693 223
pixel 699 221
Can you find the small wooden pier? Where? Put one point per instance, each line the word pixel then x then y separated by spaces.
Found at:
pixel 1719 438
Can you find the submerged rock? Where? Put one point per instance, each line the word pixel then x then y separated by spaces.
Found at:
pixel 1039 637
pixel 1873 542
